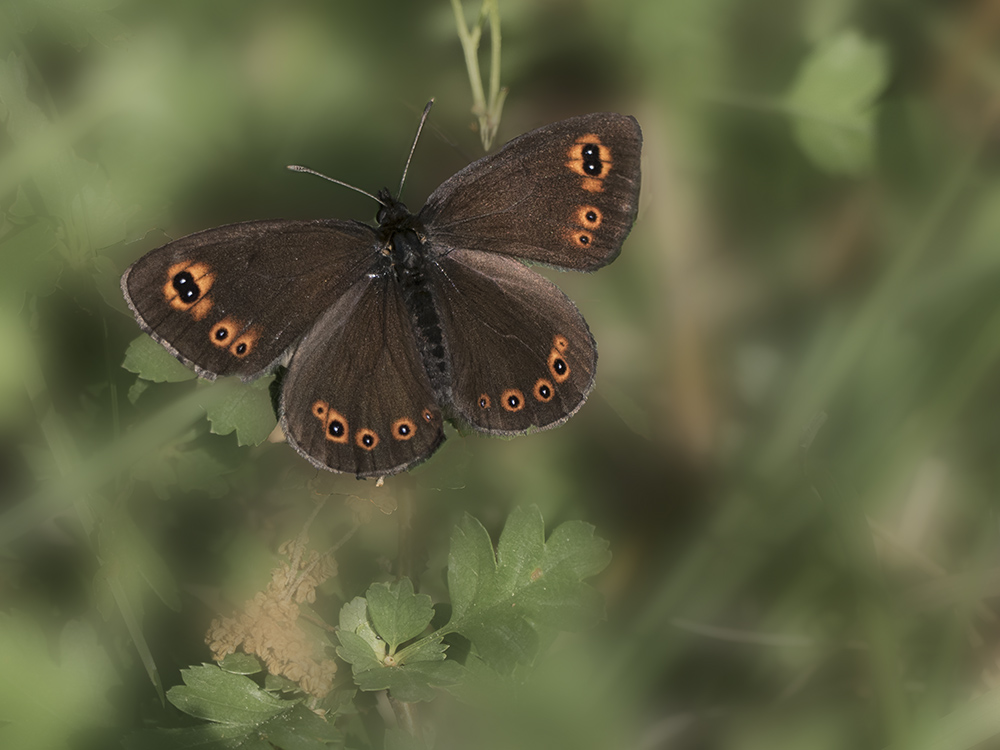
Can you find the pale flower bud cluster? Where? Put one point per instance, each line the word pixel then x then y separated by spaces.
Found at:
pixel 268 626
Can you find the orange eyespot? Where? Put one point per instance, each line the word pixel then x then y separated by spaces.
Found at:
pixel 484 401
pixel 335 425
pixel 428 415
pixel 404 429
pixel 188 283
pixel 589 216
pixel 544 390
pixel 560 342
pixel 366 439
pixel 223 332
pixel 512 399
pixel 590 159
pixel 319 409
pixel 583 239
pixel 558 366
pixel 244 344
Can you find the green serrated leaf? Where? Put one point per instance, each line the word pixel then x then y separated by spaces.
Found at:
pixel 247 412
pixel 397 613
pixel 212 694
pixel 572 544
pixel 354 619
pixel 357 652
pixel 150 361
pixel 501 603
pixel 471 566
pixel 831 101
pixel 520 550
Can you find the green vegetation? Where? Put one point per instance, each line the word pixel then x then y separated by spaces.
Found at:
pixel 774 523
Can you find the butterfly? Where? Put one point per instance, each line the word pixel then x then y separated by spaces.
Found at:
pixel 427 317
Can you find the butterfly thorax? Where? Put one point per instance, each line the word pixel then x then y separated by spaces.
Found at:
pixel 403 233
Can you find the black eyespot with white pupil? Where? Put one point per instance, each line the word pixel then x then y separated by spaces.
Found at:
pixel 513 401
pixel 559 365
pixel 592 163
pixel 403 429
pixel 221 334
pixel 187 290
pixel 336 428
pixel 544 391
pixel 241 349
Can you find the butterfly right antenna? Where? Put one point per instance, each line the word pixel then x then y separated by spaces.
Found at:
pixel 420 127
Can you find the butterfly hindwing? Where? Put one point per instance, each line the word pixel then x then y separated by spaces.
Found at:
pixel 565 195
pixel 231 300
pixel 357 398
pixel 524 360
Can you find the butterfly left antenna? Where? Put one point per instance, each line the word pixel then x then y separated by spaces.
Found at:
pixel 420 127
pixel 297 168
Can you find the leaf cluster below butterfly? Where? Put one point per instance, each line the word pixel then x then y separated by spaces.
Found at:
pixel 430 316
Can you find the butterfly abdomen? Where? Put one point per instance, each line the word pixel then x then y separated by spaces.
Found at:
pixel 409 263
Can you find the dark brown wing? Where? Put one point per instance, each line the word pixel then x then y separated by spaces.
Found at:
pixel 232 300
pixel 521 355
pixel 565 195
pixel 357 398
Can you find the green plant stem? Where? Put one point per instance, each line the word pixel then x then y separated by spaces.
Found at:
pixel 487 112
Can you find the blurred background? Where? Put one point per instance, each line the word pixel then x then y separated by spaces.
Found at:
pixel 792 446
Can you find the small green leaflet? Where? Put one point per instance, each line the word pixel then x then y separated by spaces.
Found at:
pixel 392 614
pixel 247 411
pixel 150 361
pixel 397 613
pixel 832 102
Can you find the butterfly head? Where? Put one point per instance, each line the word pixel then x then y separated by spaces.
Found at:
pixel 393 213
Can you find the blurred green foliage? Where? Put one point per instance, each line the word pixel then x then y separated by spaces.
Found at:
pixel 791 448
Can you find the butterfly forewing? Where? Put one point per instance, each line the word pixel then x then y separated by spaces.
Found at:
pixel 523 360
pixel 231 300
pixel 357 398
pixel 565 195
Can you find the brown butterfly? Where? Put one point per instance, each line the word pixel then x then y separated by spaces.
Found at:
pixel 426 317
